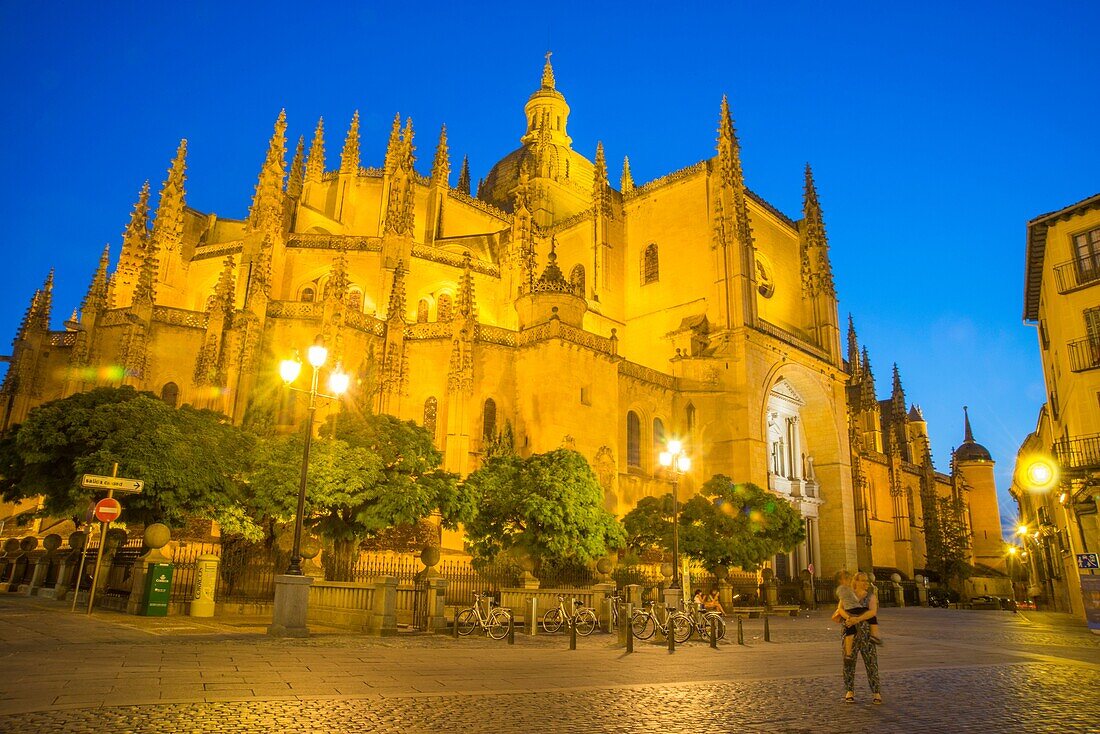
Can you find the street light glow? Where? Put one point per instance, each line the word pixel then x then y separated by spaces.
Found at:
pixel 675 447
pixel 665 458
pixel 289 369
pixel 317 355
pixel 338 381
pixel 683 463
pixel 1021 529
pixel 1038 473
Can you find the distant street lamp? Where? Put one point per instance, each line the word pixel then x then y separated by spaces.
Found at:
pixel 676 462
pixel 338 381
pixel 1012 551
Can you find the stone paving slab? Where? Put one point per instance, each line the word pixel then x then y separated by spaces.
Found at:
pixel 1042 695
pixel 68 670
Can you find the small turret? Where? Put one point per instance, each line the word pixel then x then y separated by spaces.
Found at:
pixel 853 349
pixel 970 450
pixel 349 157
pixel 551 298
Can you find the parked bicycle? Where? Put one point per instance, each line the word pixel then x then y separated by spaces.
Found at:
pixel 494 622
pixel 616 600
pixel 700 625
pixel 644 622
pixel 581 617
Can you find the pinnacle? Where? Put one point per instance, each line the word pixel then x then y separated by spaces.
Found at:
pixel 315 163
pixel 626 183
pixel 349 158
pixel 441 166
pixel 548 73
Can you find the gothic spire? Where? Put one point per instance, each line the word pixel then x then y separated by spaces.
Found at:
pixel 42 305
pixel 266 213
pixel 168 224
pixel 145 287
pixel 729 168
pixel 297 170
pixel 465 303
pixel 407 147
pixel 29 316
pixel 626 183
pixel 96 298
pixel 817 273
pixel 395 311
pixel 315 164
pixel 853 348
pixel 897 394
pixel 349 158
pixel 969 437
pixel 601 199
pixel 463 184
pixel 135 238
pixel 393 144
pixel 868 398
pixel 441 166
pixel 548 73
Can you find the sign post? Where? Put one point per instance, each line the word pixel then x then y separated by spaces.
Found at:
pixel 1088 560
pixel 106 511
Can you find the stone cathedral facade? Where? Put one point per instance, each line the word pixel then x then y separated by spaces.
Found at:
pixel 605 320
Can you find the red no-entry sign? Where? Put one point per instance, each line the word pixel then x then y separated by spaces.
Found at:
pixel 108 509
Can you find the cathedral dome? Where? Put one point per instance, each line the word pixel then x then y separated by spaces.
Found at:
pixel 546 150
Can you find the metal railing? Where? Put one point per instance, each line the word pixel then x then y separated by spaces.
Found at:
pixel 1077 273
pixel 1081 452
pixel 1084 354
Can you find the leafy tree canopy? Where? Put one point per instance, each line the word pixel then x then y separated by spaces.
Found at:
pixel 548 507
pixel 377 472
pixel 726 524
pixel 189 459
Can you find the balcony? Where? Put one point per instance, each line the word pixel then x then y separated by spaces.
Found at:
pixel 1079 453
pixel 1084 354
pixel 1079 273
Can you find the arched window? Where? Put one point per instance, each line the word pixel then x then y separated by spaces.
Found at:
pixel 431 407
pixel 689 419
pixel 170 394
pixel 633 440
pixel 355 299
pixel 489 420
pixel 443 308
pixel 650 270
pixel 576 279
pixel 422 311
pixel 658 436
pixel 308 294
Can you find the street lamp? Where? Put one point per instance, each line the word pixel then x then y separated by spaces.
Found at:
pixel 1012 551
pixel 676 462
pixel 338 381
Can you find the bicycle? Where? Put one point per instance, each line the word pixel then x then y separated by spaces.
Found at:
pixel 644 622
pixel 583 618
pixel 616 600
pixel 494 622
pixel 700 624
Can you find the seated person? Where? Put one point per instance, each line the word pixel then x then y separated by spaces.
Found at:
pixel 712 604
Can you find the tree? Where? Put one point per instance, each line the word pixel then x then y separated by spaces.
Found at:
pixel 548 507
pixel 190 460
pixel 947 539
pixel 726 524
pixel 377 472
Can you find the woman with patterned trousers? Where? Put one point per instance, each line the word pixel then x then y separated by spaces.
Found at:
pixel 861 640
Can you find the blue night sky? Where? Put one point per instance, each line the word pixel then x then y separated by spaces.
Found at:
pixel 936 130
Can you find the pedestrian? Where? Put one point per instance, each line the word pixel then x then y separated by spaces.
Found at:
pixel 713 603
pixel 858 641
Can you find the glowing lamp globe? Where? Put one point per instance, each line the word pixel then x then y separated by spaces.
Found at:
pixel 289 370
pixel 665 458
pixel 317 355
pixel 338 382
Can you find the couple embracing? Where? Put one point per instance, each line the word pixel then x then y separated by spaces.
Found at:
pixel 857 610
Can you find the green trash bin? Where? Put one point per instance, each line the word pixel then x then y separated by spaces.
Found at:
pixel 158 590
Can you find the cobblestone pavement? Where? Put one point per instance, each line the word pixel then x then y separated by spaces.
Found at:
pixel 942 670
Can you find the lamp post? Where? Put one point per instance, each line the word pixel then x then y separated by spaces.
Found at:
pixel 1012 551
pixel 289 370
pixel 676 462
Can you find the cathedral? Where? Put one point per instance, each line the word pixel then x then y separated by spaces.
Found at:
pixel 549 304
